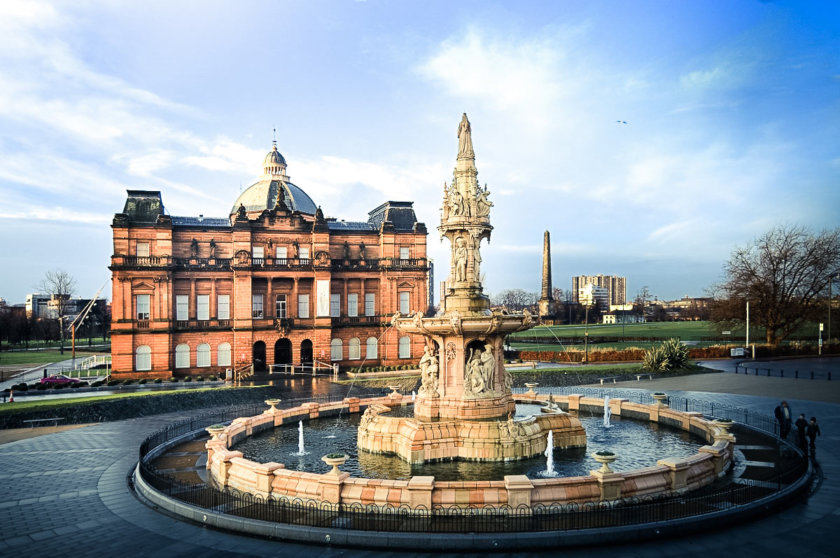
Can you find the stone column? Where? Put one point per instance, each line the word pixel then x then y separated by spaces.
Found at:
pixel 609 483
pixel 574 402
pixel 329 487
pixel 519 489
pixel 546 297
pixel 678 471
pixel 265 476
pixel 420 492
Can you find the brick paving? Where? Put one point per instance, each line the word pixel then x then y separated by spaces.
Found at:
pixel 66 494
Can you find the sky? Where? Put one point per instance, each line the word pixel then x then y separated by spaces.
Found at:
pixel 650 138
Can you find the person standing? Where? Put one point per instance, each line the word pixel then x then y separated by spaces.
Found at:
pixel 801 431
pixel 783 415
pixel 813 432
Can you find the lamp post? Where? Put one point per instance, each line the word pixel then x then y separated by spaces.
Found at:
pixel 830 279
pixel 586 335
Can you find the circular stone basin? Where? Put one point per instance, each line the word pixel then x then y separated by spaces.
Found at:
pixel 638 444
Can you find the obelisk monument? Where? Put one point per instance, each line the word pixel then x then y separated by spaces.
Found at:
pixel 546 298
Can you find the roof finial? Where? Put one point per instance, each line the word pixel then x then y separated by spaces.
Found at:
pixel 274 136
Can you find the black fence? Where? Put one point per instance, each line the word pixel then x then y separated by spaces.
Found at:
pixel 756 369
pixel 499 519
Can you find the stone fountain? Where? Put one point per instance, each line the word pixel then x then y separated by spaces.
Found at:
pixel 464 408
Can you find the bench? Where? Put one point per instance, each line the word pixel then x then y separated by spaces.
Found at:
pixel 32 422
pixel 640 376
pixel 613 378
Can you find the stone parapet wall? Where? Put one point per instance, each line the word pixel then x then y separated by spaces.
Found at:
pixel 670 476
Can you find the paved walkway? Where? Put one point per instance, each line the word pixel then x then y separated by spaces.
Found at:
pixel 65 494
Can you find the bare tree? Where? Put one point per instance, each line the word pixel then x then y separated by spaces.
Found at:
pixel 61 286
pixel 516 299
pixel 781 274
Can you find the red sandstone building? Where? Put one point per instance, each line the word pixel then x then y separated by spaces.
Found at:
pixel 275 283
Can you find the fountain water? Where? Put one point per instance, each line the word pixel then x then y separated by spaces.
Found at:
pixel 607 412
pixel 301 447
pixel 549 456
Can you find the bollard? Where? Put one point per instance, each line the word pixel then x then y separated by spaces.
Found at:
pixel 812 374
pixel 796 374
pixel 782 372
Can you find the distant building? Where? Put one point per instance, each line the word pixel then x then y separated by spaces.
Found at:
pixel 616 287
pixel 623 317
pixel 37 305
pixel 590 295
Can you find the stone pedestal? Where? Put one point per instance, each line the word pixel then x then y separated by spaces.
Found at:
pixel 609 483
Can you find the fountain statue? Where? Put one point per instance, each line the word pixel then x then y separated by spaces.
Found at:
pixel 464 407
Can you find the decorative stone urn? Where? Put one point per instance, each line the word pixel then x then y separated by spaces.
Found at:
pixel 660 398
pixel 531 386
pixel 724 424
pixel 604 458
pixel 395 391
pixel 272 403
pixel 334 460
pixel 215 430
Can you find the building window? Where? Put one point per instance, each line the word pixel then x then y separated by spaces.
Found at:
pixel 403 252
pixel 335 349
pixel 143 250
pixel 304 252
pixel 223 307
pixel 371 347
pixel 353 304
pixel 182 308
pixel 280 306
pixel 143 358
pixel 202 356
pixel 405 347
pixel 203 307
pixel 354 349
pixel 280 253
pixel 404 307
pixel 223 355
pixel 257 306
pixel 143 307
pixel 257 252
pixel 370 304
pixel 303 306
pixel 335 305
pixel 182 356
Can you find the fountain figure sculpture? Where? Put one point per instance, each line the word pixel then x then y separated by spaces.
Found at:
pixel 464 386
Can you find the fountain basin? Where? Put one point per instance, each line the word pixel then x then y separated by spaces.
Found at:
pixel 228 468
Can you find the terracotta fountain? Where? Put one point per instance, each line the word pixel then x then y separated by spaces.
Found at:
pixel 464 408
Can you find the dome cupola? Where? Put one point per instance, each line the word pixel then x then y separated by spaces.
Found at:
pixel 274 164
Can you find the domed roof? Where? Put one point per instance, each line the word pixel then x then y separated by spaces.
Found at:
pixel 274 157
pixel 263 194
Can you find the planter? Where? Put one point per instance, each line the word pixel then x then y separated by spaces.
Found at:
pixel 395 391
pixel 660 399
pixel 604 459
pixel 272 403
pixel 215 430
pixel 531 386
pixel 334 462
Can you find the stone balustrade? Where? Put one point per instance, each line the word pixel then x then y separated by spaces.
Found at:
pixel 228 468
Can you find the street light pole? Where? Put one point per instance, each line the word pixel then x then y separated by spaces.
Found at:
pixel 586 335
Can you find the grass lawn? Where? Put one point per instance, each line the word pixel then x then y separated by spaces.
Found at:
pixel 683 330
pixel 43 404
pixel 15 358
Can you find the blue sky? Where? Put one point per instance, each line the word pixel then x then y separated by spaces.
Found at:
pixel 731 109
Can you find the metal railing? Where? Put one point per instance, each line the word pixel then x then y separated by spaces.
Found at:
pixel 488 519
pixel 756 369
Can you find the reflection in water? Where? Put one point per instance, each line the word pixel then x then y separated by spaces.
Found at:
pixel 638 444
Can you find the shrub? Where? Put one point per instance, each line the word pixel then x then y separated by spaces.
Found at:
pixel 199 378
pixel 142 381
pixel 157 381
pixel 98 383
pixel 212 378
pixel 188 379
pixel 670 355
pixel 42 387
pixel 80 384
pixel 128 382
pixel 114 382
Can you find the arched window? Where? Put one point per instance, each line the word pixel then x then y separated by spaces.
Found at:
pixel 405 347
pixel 336 349
pixel 355 349
pixel 223 355
pixel 143 358
pixel 182 356
pixel 202 355
pixel 371 348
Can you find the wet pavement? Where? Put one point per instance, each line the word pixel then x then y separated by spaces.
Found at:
pixel 66 493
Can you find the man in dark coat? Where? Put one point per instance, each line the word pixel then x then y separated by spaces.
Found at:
pixel 801 425
pixel 813 432
pixel 785 418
